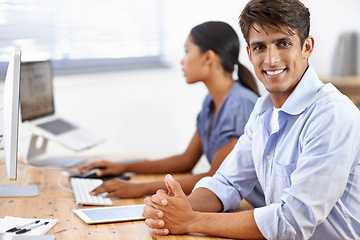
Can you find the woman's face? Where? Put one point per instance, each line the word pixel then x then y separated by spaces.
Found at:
pixel 193 62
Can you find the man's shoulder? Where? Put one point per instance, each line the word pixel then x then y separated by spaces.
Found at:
pixel 329 101
pixel 330 94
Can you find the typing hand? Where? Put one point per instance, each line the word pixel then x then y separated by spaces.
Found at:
pixel 106 168
pixel 168 212
pixel 119 188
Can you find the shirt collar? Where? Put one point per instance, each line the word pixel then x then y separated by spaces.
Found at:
pixel 300 98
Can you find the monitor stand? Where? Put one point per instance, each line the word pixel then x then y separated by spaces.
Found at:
pixel 18 191
pixel 36 156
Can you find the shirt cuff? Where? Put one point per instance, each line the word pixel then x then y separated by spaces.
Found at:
pixel 228 195
pixel 271 223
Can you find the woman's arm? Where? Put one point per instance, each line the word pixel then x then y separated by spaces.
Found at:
pixel 178 163
pixel 119 188
pixel 188 183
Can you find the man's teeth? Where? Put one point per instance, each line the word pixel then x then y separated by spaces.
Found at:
pixel 274 72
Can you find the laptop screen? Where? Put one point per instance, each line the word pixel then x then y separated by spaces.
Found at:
pixel 36 93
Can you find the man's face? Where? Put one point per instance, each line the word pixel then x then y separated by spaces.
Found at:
pixel 279 62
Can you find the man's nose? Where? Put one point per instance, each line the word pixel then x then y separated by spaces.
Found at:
pixel 272 56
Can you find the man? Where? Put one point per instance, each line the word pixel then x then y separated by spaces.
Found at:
pixel 301 142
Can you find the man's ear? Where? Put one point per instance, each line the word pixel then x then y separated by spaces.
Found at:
pixel 308 46
pixel 249 53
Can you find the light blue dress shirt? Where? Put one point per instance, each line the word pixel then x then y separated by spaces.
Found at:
pixel 309 169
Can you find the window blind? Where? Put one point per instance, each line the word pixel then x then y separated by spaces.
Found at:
pixel 82 34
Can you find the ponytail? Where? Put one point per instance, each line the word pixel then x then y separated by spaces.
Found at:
pixel 247 79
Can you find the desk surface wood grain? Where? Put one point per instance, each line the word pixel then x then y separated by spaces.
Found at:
pixel 56 202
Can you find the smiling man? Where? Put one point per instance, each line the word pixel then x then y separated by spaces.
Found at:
pixel 301 143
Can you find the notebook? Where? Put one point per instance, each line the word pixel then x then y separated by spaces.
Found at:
pixel 38 110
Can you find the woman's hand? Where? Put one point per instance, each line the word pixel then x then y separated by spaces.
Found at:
pixel 106 168
pixel 120 188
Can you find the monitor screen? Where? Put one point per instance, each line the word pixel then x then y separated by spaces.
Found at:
pixel 11 114
pixel 10 129
pixel 36 90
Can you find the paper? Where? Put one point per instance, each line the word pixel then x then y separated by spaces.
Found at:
pixel 10 222
pixel 26 237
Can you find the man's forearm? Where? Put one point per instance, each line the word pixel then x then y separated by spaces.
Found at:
pixel 204 200
pixel 240 225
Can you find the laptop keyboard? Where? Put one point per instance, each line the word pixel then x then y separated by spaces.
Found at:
pixel 57 126
pixel 82 187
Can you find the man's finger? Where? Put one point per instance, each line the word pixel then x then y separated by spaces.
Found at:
pixel 173 186
pixel 157 226
pixel 151 212
pixel 159 198
pixel 168 179
pixel 161 232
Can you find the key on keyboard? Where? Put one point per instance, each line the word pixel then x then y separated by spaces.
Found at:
pixel 82 187
pixel 57 126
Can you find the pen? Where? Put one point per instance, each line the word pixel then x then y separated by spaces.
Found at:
pixel 24 230
pixel 14 229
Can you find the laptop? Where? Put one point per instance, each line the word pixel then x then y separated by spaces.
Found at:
pixel 38 111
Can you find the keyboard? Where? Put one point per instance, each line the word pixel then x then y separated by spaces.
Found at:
pixel 56 126
pixel 82 187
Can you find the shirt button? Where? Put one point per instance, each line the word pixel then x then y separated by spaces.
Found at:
pixel 268 157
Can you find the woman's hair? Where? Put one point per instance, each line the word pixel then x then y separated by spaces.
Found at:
pixel 221 38
pixel 290 14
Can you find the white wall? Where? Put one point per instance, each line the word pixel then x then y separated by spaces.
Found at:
pixel 153 111
pixel 328 18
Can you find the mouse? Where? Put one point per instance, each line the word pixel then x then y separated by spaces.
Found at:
pixel 90 174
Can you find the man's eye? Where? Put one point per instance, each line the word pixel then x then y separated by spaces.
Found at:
pixel 257 48
pixel 285 44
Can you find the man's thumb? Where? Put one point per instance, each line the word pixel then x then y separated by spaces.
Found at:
pixel 174 187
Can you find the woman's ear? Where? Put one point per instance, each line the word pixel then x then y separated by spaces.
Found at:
pixel 210 56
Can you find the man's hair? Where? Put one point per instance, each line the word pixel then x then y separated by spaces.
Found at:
pixel 292 15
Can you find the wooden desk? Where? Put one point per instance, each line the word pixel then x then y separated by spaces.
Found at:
pixel 54 202
pixel 350 86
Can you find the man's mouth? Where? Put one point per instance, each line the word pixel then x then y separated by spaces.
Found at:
pixel 276 72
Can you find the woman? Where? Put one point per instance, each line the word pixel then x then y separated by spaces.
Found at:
pixel 211 52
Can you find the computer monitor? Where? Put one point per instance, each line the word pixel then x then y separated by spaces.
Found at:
pixel 10 129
